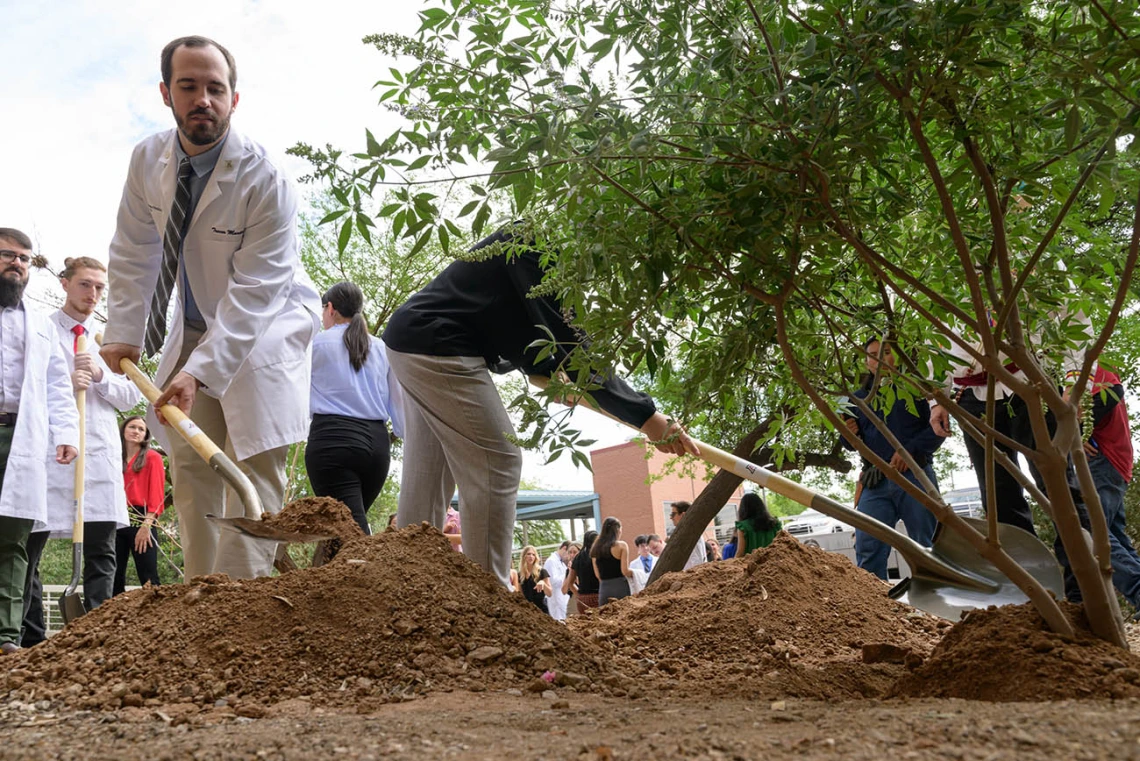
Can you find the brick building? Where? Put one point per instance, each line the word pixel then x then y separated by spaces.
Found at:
pixel 626 491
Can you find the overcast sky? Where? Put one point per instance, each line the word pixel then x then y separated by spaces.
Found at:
pixel 80 88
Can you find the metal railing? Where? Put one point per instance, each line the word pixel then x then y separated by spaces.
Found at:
pixel 53 618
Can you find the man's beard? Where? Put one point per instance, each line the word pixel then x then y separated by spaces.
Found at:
pixel 201 133
pixel 11 291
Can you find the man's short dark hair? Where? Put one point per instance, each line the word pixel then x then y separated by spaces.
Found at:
pixel 194 41
pixel 565 545
pixel 653 538
pixel 17 237
pixel 640 540
pixel 682 506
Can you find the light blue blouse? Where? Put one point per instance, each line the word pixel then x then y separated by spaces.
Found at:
pixel 337 389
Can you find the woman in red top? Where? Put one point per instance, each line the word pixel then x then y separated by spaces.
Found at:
pixel 144 476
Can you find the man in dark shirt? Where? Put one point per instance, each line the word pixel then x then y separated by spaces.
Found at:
pixel 473 316
pixel 881 498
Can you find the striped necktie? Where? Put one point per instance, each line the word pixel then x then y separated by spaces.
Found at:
pixel 171 249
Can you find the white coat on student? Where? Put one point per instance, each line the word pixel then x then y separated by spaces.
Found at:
pixel 104 498
pixel 47 416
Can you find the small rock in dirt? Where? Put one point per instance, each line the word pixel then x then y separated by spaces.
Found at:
pixel 549 695
pixel 569 679
pixel 484 654
pixel 560 704
pixel 404 626
pixel 779 705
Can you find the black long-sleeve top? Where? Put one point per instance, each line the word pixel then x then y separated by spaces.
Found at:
pixel 485 309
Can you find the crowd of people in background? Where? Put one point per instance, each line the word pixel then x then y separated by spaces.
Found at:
pixel 602 569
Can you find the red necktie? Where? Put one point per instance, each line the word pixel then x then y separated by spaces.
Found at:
pixel 78 330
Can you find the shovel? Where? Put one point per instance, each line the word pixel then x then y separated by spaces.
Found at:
pixel 71 604
pixel 222 465
pixel 947 579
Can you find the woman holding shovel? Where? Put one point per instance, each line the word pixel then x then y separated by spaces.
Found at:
pixel 353 396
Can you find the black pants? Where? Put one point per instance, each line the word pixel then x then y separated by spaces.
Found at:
pixel 146 563
pixel 98 576
pixel 1012 419
pixel 347 459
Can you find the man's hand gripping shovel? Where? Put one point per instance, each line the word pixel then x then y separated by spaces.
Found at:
pixel 251 525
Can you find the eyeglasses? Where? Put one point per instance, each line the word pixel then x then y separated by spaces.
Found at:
pixel 14 256
pixel 674 514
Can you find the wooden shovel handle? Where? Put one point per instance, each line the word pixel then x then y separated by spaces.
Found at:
pixel 175 417
pixel 81 448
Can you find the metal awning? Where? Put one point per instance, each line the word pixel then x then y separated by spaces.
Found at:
pixel 539 505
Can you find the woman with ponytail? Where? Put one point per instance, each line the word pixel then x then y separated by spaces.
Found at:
pixel 354 395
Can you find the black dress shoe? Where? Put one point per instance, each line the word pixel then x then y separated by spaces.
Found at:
pixel 8 648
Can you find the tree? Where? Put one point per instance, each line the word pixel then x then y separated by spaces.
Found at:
pixel 816 172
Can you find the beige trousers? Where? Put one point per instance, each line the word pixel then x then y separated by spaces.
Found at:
pixel 454 435
pixel 199 491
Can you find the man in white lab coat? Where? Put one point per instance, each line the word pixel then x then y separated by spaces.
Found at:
pixel 206 208
pixel 556 566
pixel 104 502
pixel 36 408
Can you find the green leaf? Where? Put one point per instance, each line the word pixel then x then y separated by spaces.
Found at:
pixel 333 215
pixel 1072 126
pixel 345 235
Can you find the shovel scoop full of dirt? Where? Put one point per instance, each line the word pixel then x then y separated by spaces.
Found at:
pixel 321 516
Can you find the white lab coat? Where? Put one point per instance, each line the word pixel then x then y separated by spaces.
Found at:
pixel 241 256
pixel 556 603
pixel 47 417
pixel 104 498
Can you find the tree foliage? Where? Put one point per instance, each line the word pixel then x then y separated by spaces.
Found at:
pixel 735 194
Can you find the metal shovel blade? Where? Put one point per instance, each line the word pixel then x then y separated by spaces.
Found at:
pixel 952 601
pixel 261 530
pixel 71 603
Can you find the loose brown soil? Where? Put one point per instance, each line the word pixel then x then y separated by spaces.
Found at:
pixel 1008 653
pixel 315 515
pixel 786 621
pixel 714 663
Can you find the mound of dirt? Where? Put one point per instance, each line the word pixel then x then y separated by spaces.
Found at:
pixel 1009 654
pixel 315 515
pixel 788 620
pixel 393 616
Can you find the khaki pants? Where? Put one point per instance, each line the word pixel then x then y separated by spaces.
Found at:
pixel 454 434
pixel 198 490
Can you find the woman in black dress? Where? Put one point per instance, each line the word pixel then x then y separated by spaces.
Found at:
pixel 610 557
pixel 534 581
pixel 581 578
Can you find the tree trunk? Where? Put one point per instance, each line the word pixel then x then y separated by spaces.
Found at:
pixel 716 493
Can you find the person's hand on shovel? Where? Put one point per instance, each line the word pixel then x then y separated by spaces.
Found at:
pixel 65 454
pixel 180 392
pixel 112 354
pixel 669 436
